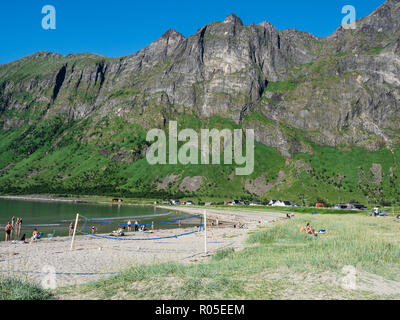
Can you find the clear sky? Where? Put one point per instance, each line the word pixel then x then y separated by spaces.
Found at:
pixel 120 27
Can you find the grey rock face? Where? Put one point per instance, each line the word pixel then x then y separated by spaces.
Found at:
pixel 346 86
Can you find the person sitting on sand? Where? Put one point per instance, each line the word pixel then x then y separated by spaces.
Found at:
pixel 94 229
pixel 35 235
pixel 8 230
pixel 287 216
pixel 119 232
pixel 303 229
pixel 309 229
pixel 238 225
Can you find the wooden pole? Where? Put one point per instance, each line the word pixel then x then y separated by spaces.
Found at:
pixel 73 235
pixel 205 231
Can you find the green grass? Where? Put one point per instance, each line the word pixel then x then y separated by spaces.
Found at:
pixel 15 289
pixel 270 266
pixel 281 86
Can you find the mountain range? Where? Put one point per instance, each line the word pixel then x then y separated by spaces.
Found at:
pixel 325 112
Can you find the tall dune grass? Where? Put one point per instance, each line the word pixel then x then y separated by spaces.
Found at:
pixel 367 243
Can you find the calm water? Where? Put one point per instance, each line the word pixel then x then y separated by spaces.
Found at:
pixel 56 216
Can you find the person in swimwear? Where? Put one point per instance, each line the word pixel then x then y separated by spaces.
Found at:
pixel 309 229
pixel 35 235
pixel 13 224
pixel 8 230
pixel 71 229
pixel 19 226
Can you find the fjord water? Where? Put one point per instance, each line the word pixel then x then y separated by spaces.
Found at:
pixel 50 216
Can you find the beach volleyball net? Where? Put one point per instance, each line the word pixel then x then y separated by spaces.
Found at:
pixel 120 229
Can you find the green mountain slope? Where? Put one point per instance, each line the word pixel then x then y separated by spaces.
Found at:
pixel 325 112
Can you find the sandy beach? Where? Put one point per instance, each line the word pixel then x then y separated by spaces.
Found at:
pixel 98 255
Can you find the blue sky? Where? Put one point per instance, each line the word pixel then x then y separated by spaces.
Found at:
pixel 121 27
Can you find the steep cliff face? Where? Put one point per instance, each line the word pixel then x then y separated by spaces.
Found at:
pixel 294 89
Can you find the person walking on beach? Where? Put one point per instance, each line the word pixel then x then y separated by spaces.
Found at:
pixel 71 229
pixel 129 225
pixel 8 230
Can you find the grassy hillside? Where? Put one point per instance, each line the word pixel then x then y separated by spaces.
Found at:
pixel 106 157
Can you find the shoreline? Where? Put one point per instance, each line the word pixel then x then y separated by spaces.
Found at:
pixel 49 198
pixel 223 215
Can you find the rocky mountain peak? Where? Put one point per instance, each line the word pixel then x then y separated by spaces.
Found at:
pixel 172 34
pixel 232 18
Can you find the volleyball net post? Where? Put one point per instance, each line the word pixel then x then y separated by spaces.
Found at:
pixel 73 235
pixel 205 231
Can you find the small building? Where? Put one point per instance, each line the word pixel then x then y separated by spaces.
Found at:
pixel 320 205
pixel 116 200
pixel 227 202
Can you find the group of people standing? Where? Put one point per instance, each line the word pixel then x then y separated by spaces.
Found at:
pixel 137 227
pixel 13 227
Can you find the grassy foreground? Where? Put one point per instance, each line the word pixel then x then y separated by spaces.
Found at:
pixel 14 289
pixel 278 263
